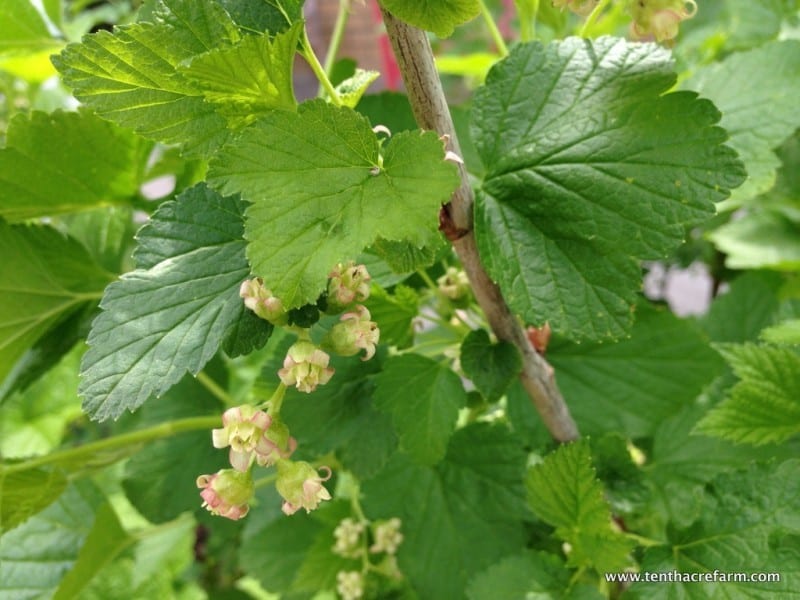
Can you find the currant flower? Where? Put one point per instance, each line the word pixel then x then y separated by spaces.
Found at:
pixel 278 445
pixel 305 367
pixel 579 7
pixel 244 430
pixel 227 493
pixel 350 585
pixel 348 283
pixel 387 536
pixel 348 538
pixel 300 485
pixel 659 20
pixel 261 301
pixel 355 332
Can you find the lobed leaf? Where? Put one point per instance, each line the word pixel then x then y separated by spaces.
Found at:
pixel 458 517
pixel 438 16
pixel 170 316
pixel 764 406
pixel 564 492
pixel 491 367
pixel 301 223
pixel 590 167
pixel 62 162
pixel 423 398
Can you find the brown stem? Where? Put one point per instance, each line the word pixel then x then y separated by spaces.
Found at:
pixel 415 58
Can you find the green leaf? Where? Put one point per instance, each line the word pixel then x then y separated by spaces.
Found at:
pixel 105 541
pixel 394 314
pixel 35 555
pixel 26 493
pixel 590 167
pixel 634 384
pixel 131 77
pixel 171 314
pixel 22 29
pixel 764 406
pixel 423 398
pixel 44 277
pixel 66 161
pixel 250 78
pixel 439 16
pixel 458 517
pixel 403 257
pixel 298 232
pixel 353 88
pixel 759 240
pixel 745 309
pixel 741 87
pixel 729 537
pixel 34 421
pixel 529 575
pixel 269 15
pixel 390 109
pixel 564 492
pixel 491 367
pixel 784 333
pixel 681 463
pixel 106 233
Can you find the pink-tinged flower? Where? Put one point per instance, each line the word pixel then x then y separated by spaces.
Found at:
pixel 579 7
pixel 261 301
pixel 660 20
pixel 356 332
pixel 300 485
pixel 305 367
pixel 277 445
pixel 226 493
pixel 243 429
pixel 348 283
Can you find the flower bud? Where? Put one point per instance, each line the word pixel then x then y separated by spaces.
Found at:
pixel 301 486
pixel 348 538
pixel 305 367
pixel 387 536
pixel 348 283
pixel 244 430
pixel 350 585
pixel 454 284
pixel 579 7
pixel 261 301
pixel 226 493
pixel 355 332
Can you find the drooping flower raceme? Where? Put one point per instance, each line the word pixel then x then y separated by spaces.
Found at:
pixel 300 485
pixel 348 283
pixel 355 332
pixel 227 493
pixel 305 367
pixel 261 301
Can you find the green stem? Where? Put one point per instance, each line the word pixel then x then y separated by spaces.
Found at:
pixel 308 53
pixel 336 38
pixel 276 400
pixel 214 388
pixel 643 541
pixel 156 432
pixel 527 22
pixel 265 480
pixel 590 20
pixel 497 38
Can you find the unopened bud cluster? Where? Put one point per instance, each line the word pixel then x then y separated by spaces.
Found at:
pixel 353 541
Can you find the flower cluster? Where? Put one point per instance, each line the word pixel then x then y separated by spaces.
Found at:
pixel 348 538
pixel 305 367
pixel 347 283
pixel 659 20
pixel 387 536
pixel 227 493
pixel 262 302
pixel 350 584
pixel 454 284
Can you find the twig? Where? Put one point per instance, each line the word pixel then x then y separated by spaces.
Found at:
pixel 415 58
